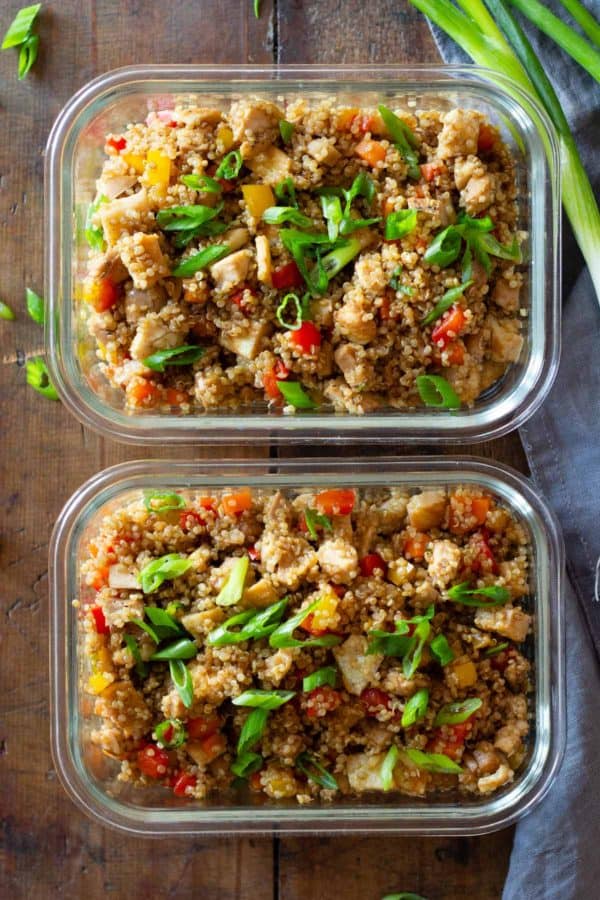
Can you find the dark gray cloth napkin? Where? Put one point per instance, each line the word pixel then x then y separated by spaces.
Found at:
pixel 556 853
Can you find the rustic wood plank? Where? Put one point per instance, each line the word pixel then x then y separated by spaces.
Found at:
pixel 48 846
pixel 382 31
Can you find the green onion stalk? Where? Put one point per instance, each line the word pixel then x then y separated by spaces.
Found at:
pixel 480 35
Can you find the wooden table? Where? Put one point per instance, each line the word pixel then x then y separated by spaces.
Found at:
pixel 50 848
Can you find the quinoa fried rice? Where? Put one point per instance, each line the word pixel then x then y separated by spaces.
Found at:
pixel 368 674
pixel 364 320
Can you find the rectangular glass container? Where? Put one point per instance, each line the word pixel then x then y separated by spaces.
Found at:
pixel 89 777
pixel 73 161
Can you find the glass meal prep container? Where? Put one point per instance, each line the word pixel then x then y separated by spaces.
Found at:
pixel 89 777
pixel 73 161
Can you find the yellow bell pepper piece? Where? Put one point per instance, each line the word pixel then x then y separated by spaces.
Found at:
pixel 325 616
pixel 258 197
pixel 465 674
pixel 224 138
pixel 90 291
pixel 99 682
pixel 134 161
pixel 158 168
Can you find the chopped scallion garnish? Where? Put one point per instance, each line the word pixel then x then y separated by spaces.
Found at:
pixel 247 763
pixel 279 215
pixel 457 712
pixel 433 762
pixel 493 595
pixel 230 166
pixel 441 649
pixel 285 191
pixel 20 26
pixel 263 699
pixel 163 501
pixel 181 649
pixel 286 130
pixel 176 356
pixel 415 708
pixel 94 234
pixel 35 306
pixel 202 183
pixel 28 52
pixel 445 302
pixel 295 395
pixel 255 624
pixel 404 139
pixel 292 301
pixel 435 391
pixel 232 590
pixel 310 766
pixel 39 379
pixel 182 680
pixel 314 519
pixel 172 565
pixel 327 675
pixel 387 768
pixel 6 312
pixel 283 634
pixel 170 734
pixel 132 645
pixel 400 223
pixel 497 649
pixel 185 218
pixel 252 730
pixel 201 260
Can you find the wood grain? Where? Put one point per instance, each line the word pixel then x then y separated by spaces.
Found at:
pixel 48 848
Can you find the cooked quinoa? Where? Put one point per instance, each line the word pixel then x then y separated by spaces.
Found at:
pixel 369 674
pixel 363 229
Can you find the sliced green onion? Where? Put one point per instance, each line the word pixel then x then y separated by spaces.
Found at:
pixel 163 501
pixel 433 762
pixel 397 285
pixel 495 595
pixel 20 26
pixel 571 42
pixel 255 624
pixel 415 708
pixel 132 645
pixel 444 248
pixel 182 680
pixel 163 622
pixel 185 355
pixel 6 312
pixel 28 52
pixel 362 186
pixel 334 261
pixel 435 391
pixel 295 395
pixel 232 590
pixel 286 130
pixel 327 675
pixel 279 215
pixel 312 768
pixel 230 166
pixel 256 6
pixel 165 567
pixel 183 218
pixel 286 191
pixel 350 224
pixel 247 763
pixel 400 223
pixel 263 699
pixel 283 634
pixel 302 245
pixel 412 659
pixel 35 306
pixel 170 734
pixel 332 211
pixel 182 649
pixel 94 234
pixel 313 519
pixel 291 299
pixel 387 768
pixel 39 379
pixel 445 302
pixel 202 183
pixel 497 649
pixel 404 139
pixel 389 644
pixel 150 631
pixel 201 260
pixel 252 730
pixel 405 895
pixel 457 712
pixel 442 650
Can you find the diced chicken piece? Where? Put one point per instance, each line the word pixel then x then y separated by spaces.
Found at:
pixel 509 621
pixel 369 274
pixel 509 738
pixel 246 339
pixel 287 556
pixel 478 194
pixel 260 595
pixel 357 370
pixel 446 559
pixel 425 592
pixel 271 165
pixel 231 271
pixel 278 665
pixel 506 294
pixel 323 150
pixel 396 682
pixel 113 187
pixel 122 610
pixel 153 334
pixel 364 771
pixel 124 705
pixel 354 320
pixel 338 560
pixel 122 578
pixel 139 303
pixel 256 121
pixel 358 669
pixel 459 135
pixel 440 209
pixel 109 265
pixel 505 340
pixel 391 514
pixel 235 238
pixel 199 115
pixel 263 259
pixel 123 216
pixel 489 783
pixel 199 624
pixel 145 261
pixel 347 399
pixel 427 509
pixel 465 167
